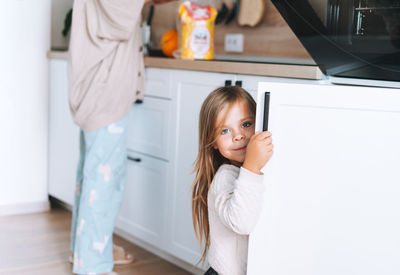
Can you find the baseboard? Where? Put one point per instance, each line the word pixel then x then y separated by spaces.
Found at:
pixel 24 208
pixel 58 203
pixel 166 256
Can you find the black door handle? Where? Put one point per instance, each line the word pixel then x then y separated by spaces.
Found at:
pixel 238 83
pixel 228 82
pixel 266 111
pixel 134 159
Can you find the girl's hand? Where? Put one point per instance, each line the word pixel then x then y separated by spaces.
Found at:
pixel 258 152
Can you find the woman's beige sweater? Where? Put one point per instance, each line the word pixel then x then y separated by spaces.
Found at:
pixel 106 68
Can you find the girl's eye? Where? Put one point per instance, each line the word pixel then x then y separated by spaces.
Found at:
pixel 224 131
pixel 247 124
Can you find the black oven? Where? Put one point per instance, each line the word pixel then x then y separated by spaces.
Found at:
pixel 348 38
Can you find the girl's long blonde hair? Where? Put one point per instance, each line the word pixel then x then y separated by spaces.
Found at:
pixel 209 159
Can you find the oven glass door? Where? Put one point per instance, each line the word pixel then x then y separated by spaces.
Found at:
pixel 355 38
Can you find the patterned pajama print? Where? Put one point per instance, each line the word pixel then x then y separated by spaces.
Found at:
pixel 98 196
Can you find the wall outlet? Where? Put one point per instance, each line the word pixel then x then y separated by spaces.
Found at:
pixel 234 42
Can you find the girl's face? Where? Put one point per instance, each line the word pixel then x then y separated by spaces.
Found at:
pixel 235 126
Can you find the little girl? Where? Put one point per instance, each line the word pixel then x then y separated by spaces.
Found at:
pixel 228 188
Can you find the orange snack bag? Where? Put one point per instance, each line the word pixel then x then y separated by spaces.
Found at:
pixel 197 40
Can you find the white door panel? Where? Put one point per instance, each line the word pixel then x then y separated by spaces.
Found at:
pixel 143 209
pixel 149 127
pixel 191 89
pixel 331 203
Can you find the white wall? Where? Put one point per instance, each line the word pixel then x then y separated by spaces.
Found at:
pixel 25 40
pixel 59 9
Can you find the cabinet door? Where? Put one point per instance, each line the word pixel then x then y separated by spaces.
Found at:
pixel 63 136
pixel 191 89
pixel 250 82
pixel 158 82
pixel 332 187
pixel 143 210
pixel 149 127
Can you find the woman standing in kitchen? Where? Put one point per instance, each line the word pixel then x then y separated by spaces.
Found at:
pixel 106 75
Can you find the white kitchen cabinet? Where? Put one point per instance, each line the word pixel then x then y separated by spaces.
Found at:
pixel 149 127
pixel 158 83
pixel 168 123
pixel 190 88
pixel 63 136
pixel 143 212
pixel 249 83
pixel 163 134
pixel 332 187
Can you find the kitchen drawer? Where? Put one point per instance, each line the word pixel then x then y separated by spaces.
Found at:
pixel 158 83
pixel 143 209
pixel 148 130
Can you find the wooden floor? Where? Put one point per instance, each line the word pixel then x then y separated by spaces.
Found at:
pixel 38 244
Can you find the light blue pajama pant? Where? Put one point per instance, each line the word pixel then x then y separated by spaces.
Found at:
pixel 98 196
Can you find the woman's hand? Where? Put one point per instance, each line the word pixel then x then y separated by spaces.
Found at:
pixel 157 1
pixel 258 152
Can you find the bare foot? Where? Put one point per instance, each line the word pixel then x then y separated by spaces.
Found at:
pixel 121 256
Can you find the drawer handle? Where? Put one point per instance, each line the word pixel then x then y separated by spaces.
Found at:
pixel 138 101
pixel 228 82
pixel 238 83
pixel 135 159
